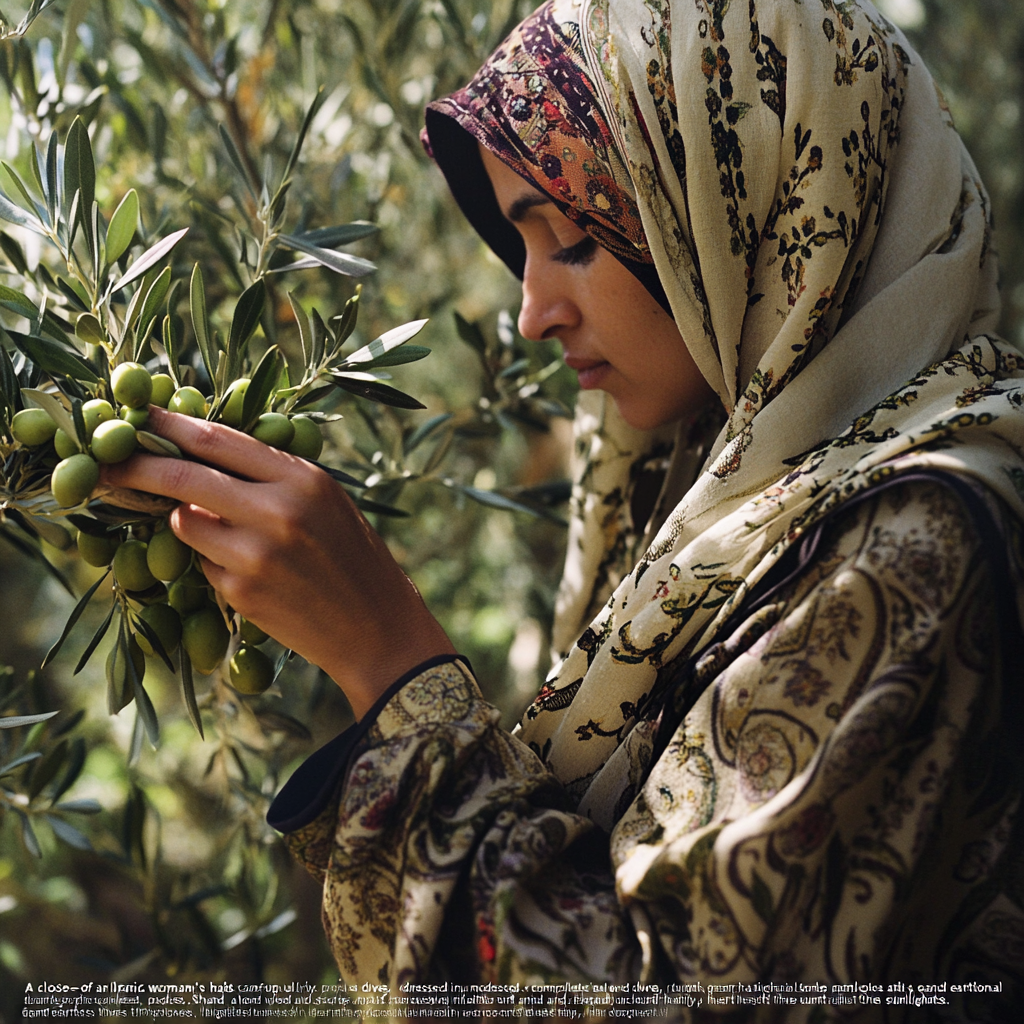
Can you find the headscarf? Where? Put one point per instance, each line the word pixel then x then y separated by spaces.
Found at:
pixel 822 240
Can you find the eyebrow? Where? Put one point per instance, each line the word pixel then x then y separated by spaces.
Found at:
pixel 518 208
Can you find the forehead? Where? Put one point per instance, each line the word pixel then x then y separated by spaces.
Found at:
pixel 515 195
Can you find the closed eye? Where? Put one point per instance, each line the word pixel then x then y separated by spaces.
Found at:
pixel 577 255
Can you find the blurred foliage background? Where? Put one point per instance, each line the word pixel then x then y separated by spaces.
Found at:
pixel 165 869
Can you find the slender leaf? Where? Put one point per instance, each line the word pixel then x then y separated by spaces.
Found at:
pixel 44 772
pixel 261 387
pixel 424 430
pixel 236 160
pixel 369 505
pixel 16 215
pixel 495 500
pixel 52 358
pixel 76 762
pixel 75 615
pixel 149 259
pixel 19 761
pixel 28 836
pixel 340 475
pixel 85 806
pixel 406 354
pixel 31 201
pixel 80 174
pixel 301 137
pixel 54 408
pixel 188 692
pixel 347 319
pixel 246 317
pixel 385 343
pixel 305 339
pixel 67 832
pixel 339 262
pixel 89 330
pixel 13 252
pixel 200 321
pixel 52 197
pixel 342 234
pixel 150 308
pixel 145 708
pixel 376 392
pixel 158 445
pixel 95 641
pixel 122 226
pixel 14 721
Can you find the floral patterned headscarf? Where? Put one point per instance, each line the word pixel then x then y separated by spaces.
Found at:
pixel 821 238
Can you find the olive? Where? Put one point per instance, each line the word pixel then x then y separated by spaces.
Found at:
pixel 73 479
pixel 97 551
pixel 274 429
pixel 130 568
pixel 95 412
pixel 205 637
pixel 185 598
pixel 163 388
pixel 66 446
pixel 308 442
pixel 251 633
pixel 167 556
pixel 32 427
pixel 138 418
pixel 251 671
pixel 188 401
pixel 231 414
pixel 131 385
pixel 163 620
pixel 113 441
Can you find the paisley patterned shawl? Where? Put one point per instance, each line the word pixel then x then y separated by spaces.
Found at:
pixel 822 240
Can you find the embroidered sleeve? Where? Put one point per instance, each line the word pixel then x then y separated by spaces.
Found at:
pixel 826 810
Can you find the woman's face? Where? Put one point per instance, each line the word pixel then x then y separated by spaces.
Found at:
pixel 613 333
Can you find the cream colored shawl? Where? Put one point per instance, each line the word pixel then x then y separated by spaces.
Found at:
pixel 824 242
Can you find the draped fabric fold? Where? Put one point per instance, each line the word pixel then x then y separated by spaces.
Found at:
pixel 822 239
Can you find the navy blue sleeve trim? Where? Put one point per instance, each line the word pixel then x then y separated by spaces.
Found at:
pixel 314 783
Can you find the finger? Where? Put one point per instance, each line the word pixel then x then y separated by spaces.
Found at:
pixel 186 481
pixel 205 533
pixel 222 446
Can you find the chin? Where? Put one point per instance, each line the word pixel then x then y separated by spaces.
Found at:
pixel 641 417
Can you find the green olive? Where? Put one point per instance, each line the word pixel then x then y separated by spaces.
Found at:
pixel 185 598
pixel 251 670
pixel 167 556
pixel 95 412
pixel 73 480
pixel 205 637
pixel 308 442
pixel 231 414
pixel 131 385
pixel 274 429
pixel 188 401
pixel 163 388
pixel 66 447
pixel 251 633
pixel 32 427
pixel 163 620
pixel 97 551
pixel 130 568
pixel 138 418
pixel 113 441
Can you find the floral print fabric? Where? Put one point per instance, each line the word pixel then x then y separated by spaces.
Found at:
pixel 835 802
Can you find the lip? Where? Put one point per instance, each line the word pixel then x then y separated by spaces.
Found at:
pixel 591 372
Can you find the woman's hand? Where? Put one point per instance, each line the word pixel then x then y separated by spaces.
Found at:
pixel 286 547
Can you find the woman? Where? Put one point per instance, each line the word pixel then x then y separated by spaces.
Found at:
pixel 780 745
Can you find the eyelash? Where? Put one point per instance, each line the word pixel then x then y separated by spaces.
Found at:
pixel 578 255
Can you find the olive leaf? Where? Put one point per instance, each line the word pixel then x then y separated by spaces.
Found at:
pixel 147 260
pixel 122 226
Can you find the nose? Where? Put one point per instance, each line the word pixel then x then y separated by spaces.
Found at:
pixel 549 304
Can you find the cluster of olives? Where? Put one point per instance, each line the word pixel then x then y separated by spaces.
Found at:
pixel 157 571
pixel 111 435
pixel 153 569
